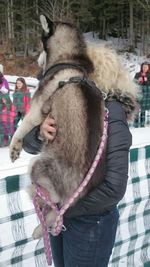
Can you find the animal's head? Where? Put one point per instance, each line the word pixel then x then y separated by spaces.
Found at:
pixel 62 42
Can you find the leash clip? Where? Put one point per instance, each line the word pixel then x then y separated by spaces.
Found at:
pixel 104 95
pixel 64 228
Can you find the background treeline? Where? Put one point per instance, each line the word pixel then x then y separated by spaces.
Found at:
pixel 124 19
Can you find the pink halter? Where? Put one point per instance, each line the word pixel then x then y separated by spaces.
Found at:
pixel 44 195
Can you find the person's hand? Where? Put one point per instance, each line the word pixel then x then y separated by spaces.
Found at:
pixel 48 129
pixel 140 80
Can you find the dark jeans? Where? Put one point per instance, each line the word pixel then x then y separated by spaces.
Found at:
pixel 140 121
pixel 87 241
pixel 17 119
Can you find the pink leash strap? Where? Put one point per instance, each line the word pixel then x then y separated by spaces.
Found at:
pixel 57 225
pixel 42 217
pixel 44 195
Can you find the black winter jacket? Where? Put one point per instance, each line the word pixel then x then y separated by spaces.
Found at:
pixel 106 196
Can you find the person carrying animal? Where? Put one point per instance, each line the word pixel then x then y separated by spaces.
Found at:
pixel 68 98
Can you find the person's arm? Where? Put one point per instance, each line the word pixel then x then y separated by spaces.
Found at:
pixel 3 90
pixel 107 195
pixel 32 142
pixel 138 78
pixel 26 100
pixel 6 84
pixel 148 79
pixel 5 87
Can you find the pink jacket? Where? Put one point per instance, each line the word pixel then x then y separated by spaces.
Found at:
pixel 8 115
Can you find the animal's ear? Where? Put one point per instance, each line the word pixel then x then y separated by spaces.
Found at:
pixel 47 25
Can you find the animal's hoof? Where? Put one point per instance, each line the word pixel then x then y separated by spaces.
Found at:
pixel 15 149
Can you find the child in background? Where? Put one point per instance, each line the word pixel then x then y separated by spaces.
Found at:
pixel 7 115
pixel 21 99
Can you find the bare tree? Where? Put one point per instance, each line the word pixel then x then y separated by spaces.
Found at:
pixel 131 27
pixel 10 24
pixel 145 4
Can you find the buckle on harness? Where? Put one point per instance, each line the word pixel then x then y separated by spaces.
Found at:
pixel 61 84
pixel 75 79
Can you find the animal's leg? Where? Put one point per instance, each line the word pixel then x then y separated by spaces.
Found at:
pixel 32 119
pixel 50 218
pixel 41 172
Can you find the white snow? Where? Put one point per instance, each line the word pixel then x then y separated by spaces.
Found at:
pixel 131 61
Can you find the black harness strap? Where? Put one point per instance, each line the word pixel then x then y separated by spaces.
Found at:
pixel 61 66
pixel 83 80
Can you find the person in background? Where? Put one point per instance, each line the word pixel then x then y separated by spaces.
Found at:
pixel 21 99
pixel 143 77
pixel 4 86
pixel 7 115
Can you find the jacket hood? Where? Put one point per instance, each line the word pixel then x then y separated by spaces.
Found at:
pixel 112 78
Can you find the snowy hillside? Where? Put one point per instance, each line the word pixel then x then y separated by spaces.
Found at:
pixel 131 61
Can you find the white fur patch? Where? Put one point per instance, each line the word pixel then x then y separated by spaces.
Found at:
pixel 42 60
pixel 44 23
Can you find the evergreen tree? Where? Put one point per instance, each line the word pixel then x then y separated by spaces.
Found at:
pixel 127 19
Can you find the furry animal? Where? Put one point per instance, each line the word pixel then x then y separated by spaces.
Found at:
pixel 78 111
